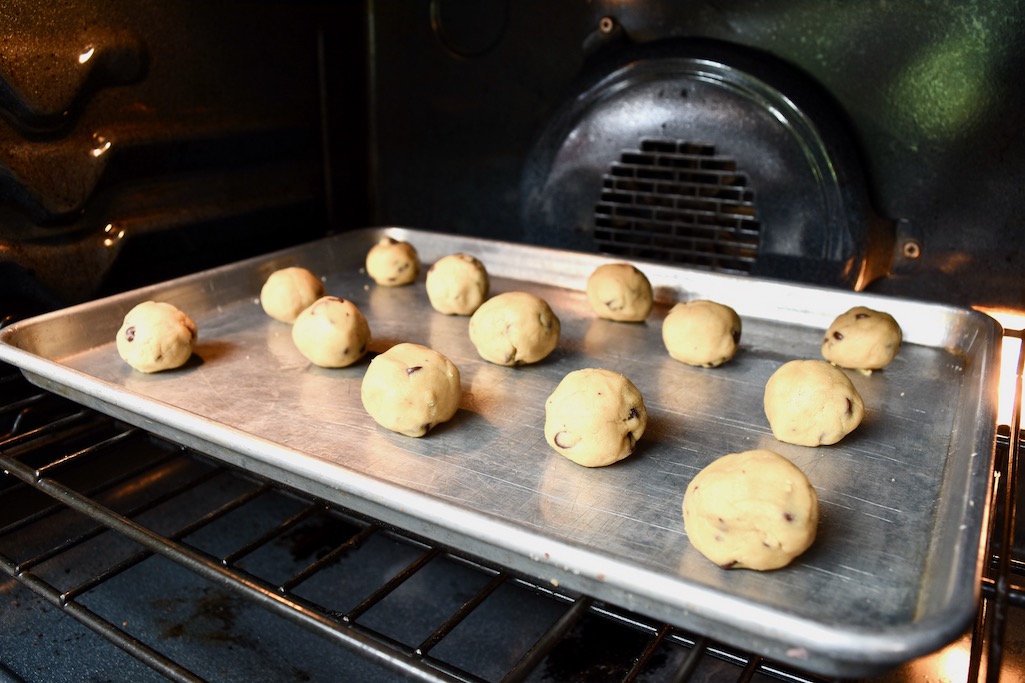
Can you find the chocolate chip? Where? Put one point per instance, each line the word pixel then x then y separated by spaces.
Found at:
pixel 837 336
pixel 633 414
pixel 736 336
pixel 410 371
pixel 729 565
pixel 850 406
pixel 562 440
pixel 859 316
pixel 611 304
pixel 787 516
pixel 130 334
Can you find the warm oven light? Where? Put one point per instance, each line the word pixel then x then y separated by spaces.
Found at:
pixel 1013 323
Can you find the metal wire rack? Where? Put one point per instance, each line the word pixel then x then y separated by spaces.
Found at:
pixel 190 570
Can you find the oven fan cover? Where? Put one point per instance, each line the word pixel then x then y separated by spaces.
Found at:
pixel 709 157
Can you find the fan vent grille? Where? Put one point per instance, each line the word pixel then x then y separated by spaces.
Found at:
pixel 678 202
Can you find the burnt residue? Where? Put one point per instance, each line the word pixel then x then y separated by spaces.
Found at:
pixel 317 537
pixel 597 650
pixel 212 619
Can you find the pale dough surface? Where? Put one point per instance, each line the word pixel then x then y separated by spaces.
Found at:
pixel 332 333
pixel 457 284
pixel 595 417
pixel 619 291
pixel 812 403
pixel 392 262
pixel 701 333
pixel 862 339
pixel 288 291
pixel 514 328
pixel 410 389
pixel 751 510
pixel 156 336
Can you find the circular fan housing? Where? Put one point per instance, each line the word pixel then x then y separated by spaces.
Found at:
pixel 707 156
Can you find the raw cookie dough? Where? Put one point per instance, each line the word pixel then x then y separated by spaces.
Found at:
pixel 702 333
pixel 411 388
pixel 862 339
pixel 392 263
pixel 751 510
pixel 595 417
pixel 812 403
pixel 156 336
pixel 514 328
pixel 332 333
pixel 288 291
pixel 457 284
pixel 619 291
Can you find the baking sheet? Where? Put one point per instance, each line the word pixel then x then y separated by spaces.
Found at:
pixel 894 572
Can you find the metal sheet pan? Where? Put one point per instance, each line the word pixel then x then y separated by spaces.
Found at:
pixel 893 574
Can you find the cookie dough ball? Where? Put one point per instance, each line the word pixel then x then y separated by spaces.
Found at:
pixel 392 263
pixel 595 417
pixel 862 339
pixel 411 388
pixel 751 510
pixel 288 292
pixel 156 336
pixel 702 333
pixel 812 403
pixel 514 328
pixel 619 291
pixel 457 284
pixel 332 333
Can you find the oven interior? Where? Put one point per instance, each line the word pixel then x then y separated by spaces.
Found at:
pixel 853 146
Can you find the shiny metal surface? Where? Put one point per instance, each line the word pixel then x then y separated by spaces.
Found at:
pixel 775 138
pixel 895 570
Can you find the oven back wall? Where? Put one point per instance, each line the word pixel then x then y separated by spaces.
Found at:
pixel 144 140
pixel 930 95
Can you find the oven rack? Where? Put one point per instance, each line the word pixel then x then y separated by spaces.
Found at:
pixel 98 519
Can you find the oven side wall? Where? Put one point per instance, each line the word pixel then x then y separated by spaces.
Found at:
pixel 144 140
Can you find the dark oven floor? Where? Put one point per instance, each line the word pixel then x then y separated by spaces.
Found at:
pixel 127 557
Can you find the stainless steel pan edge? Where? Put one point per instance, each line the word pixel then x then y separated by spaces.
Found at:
pixel 831 649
